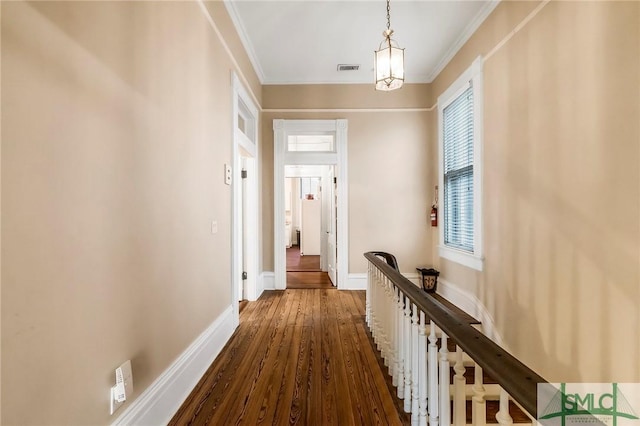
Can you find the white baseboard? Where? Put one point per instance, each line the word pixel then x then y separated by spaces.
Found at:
pixel 356 282
pixel 160 401
pixel 472 305
pixel 267 281
pixel 359 281
pixel 414 277
pixel 461 298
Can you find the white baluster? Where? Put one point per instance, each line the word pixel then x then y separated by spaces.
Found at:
pixel 388 311
pixel 372 301
pixel 479 409
pixel 376 312
pixel 380 309
pixel 384 339
pixel 393 309
pixel 422 375
pixel 400 333
pixel 459 394
pixel 372 304
pixel 502 416
pixel 407 356
pixel 415 367
pixel 445 402
pixel 367 303
pixel 433 377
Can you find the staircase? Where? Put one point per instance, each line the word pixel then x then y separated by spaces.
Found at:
pixel 491 396
pixel 443 370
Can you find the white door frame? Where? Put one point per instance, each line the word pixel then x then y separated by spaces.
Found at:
pixel 321 173
pixel 324 217
pixel 330 232
pixel 282 129
pixel 245 145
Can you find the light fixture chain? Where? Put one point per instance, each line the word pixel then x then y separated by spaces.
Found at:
pixel 389 60
pixel 388 15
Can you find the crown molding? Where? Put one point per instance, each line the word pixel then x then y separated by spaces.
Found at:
pixel 244 38
pixel 464 37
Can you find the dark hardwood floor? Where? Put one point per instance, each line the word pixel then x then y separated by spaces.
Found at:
pixel 298 263
pixel 298 357
pixel 308 280
pixel 303 272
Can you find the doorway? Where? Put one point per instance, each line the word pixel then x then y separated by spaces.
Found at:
pixel 312 149
pixel 244 182
pixel 310 224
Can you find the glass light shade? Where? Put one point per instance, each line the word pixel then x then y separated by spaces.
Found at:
pixel 389 66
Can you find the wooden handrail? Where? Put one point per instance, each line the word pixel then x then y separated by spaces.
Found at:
pixel 516 378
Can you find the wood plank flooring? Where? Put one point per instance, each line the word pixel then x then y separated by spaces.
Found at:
pixel 308 280
pixel 298 357
pixel 298 263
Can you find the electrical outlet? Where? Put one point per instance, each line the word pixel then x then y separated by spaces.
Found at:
pixel 123 387
pixel 114 402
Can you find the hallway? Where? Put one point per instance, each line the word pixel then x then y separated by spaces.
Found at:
pixel 303 272
pixel 294 352
pixel 298 263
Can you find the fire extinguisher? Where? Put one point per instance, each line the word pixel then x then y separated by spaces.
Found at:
pixel 434 209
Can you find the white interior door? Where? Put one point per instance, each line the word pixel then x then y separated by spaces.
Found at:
pixel 244 293
pixel 241 225
pixel 244 199
pixel 331 233
pixel 324 197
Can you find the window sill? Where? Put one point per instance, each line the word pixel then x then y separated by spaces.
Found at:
pixel 466 259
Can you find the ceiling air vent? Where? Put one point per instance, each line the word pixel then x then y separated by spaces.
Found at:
pixel 348 67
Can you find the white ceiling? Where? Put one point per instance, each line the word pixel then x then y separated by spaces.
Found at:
pixel 303 41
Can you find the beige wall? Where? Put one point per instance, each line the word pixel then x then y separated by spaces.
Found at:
pixel 340 96
pixel 115 130
pixel 389 184
pixel 561 186
pixel 0 221
pixel 223 22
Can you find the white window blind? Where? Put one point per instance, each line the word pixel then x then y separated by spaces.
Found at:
pixel 458 139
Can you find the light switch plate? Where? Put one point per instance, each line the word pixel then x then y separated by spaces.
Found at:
pixel 227 174
pixel 214 226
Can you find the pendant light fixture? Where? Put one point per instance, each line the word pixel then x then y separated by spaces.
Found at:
pixel 389 60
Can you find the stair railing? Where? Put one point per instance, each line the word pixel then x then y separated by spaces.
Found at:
pixel 405 323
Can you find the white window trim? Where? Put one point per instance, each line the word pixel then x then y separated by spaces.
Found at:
pixel 473 260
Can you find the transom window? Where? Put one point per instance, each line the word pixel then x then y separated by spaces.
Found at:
pixel 311 143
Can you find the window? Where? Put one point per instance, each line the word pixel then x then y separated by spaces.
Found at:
pixel 460 134
pixel 309 186
pixel 457 136
pixel 311 143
